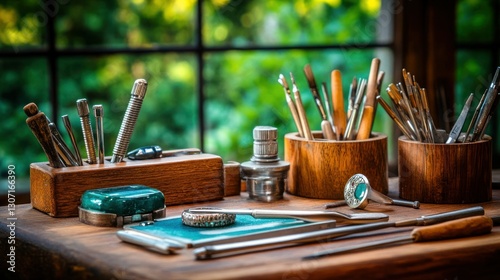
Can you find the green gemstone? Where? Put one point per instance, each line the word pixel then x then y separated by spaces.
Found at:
pixel 123 200
pixel 360 191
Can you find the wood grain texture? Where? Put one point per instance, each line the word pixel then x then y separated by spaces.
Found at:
pixel 232 178
pixel 182 179
pixel 445 173
pixel 320 168
pixel 339 114
pixel 68 249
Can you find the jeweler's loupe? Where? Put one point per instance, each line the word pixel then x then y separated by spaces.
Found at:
pixel 358 192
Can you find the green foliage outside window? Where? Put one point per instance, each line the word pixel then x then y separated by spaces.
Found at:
pixel 241 89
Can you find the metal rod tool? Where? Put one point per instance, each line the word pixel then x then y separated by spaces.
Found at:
pixel 88 136
pixel 128 122
pixel 99 114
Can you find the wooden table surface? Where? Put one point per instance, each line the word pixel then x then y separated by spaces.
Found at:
pixel 65 248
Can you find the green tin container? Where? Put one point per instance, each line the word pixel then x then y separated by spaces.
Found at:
pixel 121 205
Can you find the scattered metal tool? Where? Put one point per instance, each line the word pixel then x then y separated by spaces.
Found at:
pixel 209 252
pixel 308 216
pixel 465 227
pixel 358 192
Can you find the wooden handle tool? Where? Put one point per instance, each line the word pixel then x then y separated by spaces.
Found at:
pixel 300 109
pixel 339 115
pixel 39 125
pixel 365 126
pixel 465 227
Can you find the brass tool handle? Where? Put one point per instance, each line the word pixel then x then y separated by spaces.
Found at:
pixel 471 226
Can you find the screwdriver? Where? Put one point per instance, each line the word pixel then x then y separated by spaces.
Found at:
pixel 465 227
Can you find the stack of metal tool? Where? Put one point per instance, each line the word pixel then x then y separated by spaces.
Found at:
pixel 411 113
pixel 58 153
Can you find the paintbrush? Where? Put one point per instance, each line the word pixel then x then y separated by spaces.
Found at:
pixel 326 127
pixel 300 109
pixel 291 105
pixel 365 126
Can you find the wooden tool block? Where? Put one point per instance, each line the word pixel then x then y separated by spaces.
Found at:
pixel 320 168
pixel 445 173
pixel 182 179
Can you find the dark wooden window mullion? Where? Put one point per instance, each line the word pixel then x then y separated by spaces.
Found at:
pixel 52 66
pixel 200 73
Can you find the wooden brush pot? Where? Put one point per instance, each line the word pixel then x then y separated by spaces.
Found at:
pixel 445 173
pixel 320 168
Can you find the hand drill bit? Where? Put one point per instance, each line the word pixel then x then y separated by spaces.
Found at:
pixel 83 112
pixel 67 125
pixel 128 123
pixel 99 114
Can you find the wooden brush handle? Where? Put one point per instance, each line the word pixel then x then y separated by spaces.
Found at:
pixel 471 226
pixel 40 127
pixel 339 115
pixel 365 127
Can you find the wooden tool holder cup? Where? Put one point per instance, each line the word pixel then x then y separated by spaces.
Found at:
pixel 320 168
pixel 445 173
pixel 182 179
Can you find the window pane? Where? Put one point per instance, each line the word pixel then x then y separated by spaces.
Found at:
pixel 136 23
pixel 470 25
pixel 23 80
pixel 22 25
pixel 242 92
pixel 262 22
pixel 168 116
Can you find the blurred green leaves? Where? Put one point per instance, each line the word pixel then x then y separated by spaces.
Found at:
pixel 241 88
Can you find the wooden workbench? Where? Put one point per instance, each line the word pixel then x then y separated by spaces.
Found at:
pixel 64 248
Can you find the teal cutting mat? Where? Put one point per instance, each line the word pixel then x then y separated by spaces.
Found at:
pixel 244 228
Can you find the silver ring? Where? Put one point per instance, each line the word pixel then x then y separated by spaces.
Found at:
pixel 207 220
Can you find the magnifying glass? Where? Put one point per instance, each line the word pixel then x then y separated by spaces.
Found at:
pixel 358 193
